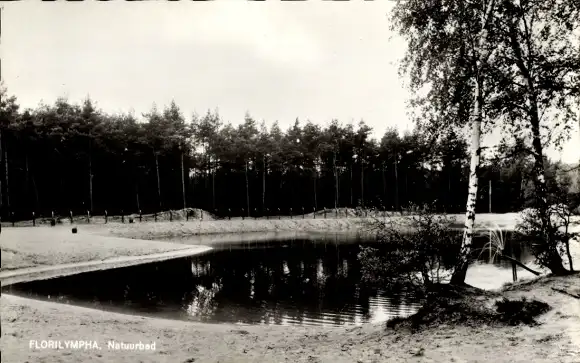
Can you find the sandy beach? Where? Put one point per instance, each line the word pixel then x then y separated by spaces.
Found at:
pixel 556 339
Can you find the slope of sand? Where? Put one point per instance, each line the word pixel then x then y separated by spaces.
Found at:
pixel 556 340
pixel 27 247
pixel 151 230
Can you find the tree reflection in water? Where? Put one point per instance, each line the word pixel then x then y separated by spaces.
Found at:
pixel 309 283
pixel 306 283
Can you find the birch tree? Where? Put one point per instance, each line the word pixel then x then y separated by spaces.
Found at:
pixel 449 50
pixel 539 71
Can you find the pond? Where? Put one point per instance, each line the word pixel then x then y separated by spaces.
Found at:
pixel 305 280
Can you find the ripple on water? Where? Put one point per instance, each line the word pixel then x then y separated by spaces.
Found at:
pixel 304 283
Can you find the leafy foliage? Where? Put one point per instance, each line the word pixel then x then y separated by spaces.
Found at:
pixel 416 251
pixel 552 240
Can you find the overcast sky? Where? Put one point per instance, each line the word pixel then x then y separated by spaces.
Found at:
pixel 277 60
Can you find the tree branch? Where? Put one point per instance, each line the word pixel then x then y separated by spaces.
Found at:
pixel 566 293
pixel 520 264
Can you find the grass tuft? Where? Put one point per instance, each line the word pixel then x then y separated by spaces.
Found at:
pixel 450 308
pixel 515 312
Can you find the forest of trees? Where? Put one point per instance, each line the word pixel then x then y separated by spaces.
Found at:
pixel 75 157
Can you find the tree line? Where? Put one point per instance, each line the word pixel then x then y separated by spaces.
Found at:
pixel 74 157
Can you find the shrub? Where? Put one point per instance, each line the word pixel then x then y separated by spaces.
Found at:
pixel 514 312
pixel 468 310
pixel 414 251
pixel 550 232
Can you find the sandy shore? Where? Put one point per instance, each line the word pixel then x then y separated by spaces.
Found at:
pixel 151 230
pixel 556 340
pixel 27 247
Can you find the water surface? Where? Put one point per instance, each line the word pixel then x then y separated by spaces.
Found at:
pixel 312 279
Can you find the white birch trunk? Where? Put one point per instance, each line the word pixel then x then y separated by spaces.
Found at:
pixel 475 151
pixel 460 272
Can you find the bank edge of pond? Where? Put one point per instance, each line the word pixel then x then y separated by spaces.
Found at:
pixel 557 339
pixel 37 253
pixel 29 274
pixel 165 229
